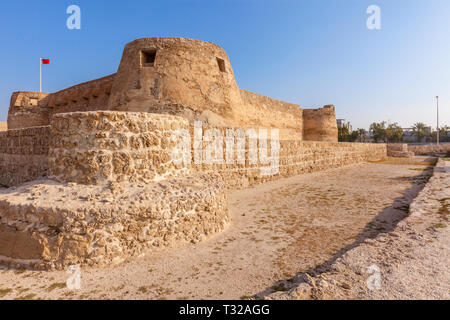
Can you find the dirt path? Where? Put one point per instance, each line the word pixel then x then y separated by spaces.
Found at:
pixel 277 230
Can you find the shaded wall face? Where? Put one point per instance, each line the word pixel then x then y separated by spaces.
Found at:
pixel 25 111
pixel 88 96
pixel 320 124
pixel 177 76
pixel 33 109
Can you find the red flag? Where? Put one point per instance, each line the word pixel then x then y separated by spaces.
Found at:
pixel 45 61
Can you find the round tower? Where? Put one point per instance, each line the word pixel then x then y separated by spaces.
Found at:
pixel 178 76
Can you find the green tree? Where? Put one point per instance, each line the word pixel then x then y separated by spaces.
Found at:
pixel 343 134
pixel 353 136
pixel 394 133
pixel 361 135
pixel 419 129
pixel 442 134
pixel 378 131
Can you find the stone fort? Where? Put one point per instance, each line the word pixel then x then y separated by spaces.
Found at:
pixel 89 168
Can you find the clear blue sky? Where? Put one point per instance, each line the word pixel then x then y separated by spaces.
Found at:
pixel 307 52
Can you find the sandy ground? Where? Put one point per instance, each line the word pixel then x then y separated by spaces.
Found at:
pixel 409 262
pixel 3 126
pixel 277 230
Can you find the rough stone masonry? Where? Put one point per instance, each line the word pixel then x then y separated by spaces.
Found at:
pixel 89 168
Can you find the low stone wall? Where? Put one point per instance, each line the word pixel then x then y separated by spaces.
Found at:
pixel 295 157
pixel 23 155
pixel 46 224
pixel 399 150
pixel 430 149
pixel 101 147
pixel 105 146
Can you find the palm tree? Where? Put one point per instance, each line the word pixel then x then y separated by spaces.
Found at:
pixel 378 131
pixel 362 135
pixel 420 130
pixel 443 132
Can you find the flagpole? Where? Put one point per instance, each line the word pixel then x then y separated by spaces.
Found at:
pixel 40 74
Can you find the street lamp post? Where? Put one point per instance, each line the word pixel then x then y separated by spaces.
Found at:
pixel 437 120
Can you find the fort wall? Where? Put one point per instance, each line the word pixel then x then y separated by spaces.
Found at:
pixel 62 224
pixel 443 148
pixel 102 147
pixel 320 124
pixel 23 155
pixel 295 157
pixel 25 110
pixel 114 189
pixel 87 96
pixel 176 76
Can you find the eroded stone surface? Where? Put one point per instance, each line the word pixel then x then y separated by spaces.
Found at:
pixel 115 133
pixel 46 224
pixel 101 147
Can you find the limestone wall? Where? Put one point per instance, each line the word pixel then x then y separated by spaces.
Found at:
pixel 320 124
pixel 64 224
pixel 430 149
pixel 104 146
pixel 118 190
pixel 33 109
pixel 101 147
pixel 176 76
pixel 295 157
pixel 186 75
pixel 23 155
pixel 265 112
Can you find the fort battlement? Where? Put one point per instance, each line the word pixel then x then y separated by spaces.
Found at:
pixel 189 78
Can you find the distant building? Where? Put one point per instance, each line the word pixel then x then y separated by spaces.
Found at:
pixel 409 135
pixel 341 123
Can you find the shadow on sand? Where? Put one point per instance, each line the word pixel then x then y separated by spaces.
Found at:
pixel 384 222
